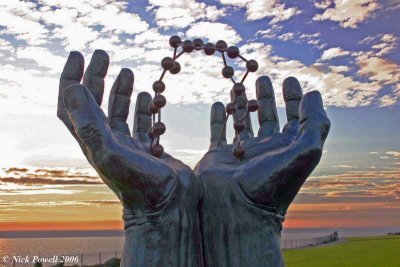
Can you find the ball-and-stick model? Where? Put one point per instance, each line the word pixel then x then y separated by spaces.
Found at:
pixel 170 64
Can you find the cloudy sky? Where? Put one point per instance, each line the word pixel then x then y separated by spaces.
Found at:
pixel 348 50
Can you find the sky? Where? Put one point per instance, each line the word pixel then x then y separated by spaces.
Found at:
pixel 348 50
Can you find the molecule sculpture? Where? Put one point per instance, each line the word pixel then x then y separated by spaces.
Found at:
pixel 170 64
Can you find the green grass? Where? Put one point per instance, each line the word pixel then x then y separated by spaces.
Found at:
pixel 377 251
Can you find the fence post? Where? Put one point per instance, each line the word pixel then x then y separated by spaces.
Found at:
pixel 99 257
pixel 116 254
pixel 13 263
pixel 81 259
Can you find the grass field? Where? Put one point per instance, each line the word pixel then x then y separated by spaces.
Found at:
pixel 377 251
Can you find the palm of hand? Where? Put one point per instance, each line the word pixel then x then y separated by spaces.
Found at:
pixel 268 173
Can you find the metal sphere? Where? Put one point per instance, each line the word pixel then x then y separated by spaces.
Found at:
pixel 151 134
pixel 176 69
pixel 209 49
pixel 157 150
pixel 228 72
pixel 238 88
pixel 152 108
pixel 221 46
pixel 175 41
pixel 159 128
pixel 230 108
pixel 198 44
pixel 232 52
pixel 239 125
pixel 159 101
pixel 252 65
pixel 158 86
pixel 187 46
pixel 238 152
pixel 167 63
pixel 252 105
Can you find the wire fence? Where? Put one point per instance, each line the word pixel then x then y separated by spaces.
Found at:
pixel 308 242
pixel 112 258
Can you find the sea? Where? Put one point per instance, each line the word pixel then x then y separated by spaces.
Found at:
pixel 92 247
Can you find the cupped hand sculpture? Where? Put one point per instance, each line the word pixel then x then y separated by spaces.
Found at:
pixel 229 210
pixel 159 195
pixel 245 200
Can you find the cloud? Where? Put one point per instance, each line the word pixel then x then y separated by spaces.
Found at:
pixel 387 100
pixel 65 204
pixel 286 36
pixel 268 33
pixel 334 52
pixel 112 17
pixel 393 153
pixel 42 57
pixel 336 88
pixel 214 31
pixel 345 166
pixel 183 13
pixel 259 9
pixel 378 69
pixel 17 22
pixel 73 22
pixel 381 44
pixel 46 181
pixel 32 178
pixel 340 69
pixel 347 13
pixel 295 37
pixel 352 187
pixel 323 4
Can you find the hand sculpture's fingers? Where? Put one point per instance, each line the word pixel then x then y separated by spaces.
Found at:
pixel 292 94
pixel 314 128
pixel 119 101
pixel 313 117
pixel 142 119
pixel 72 74
pixel 88 120
pixel 95 73
pixel 217 125
pixel 286 169
pixel 267 114
pixel 241 112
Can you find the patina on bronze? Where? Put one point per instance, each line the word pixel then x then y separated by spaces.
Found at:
pixel 170 64
pixel 227 212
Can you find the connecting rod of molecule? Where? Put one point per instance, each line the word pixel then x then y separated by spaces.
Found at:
pixel 170 64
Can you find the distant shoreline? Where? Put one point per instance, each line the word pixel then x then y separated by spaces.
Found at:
pixel 304 232
pixel 68 233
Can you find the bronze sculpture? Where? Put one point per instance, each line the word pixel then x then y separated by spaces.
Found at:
pixel 229 210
